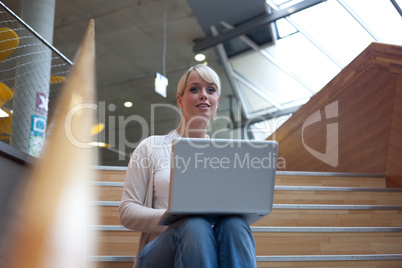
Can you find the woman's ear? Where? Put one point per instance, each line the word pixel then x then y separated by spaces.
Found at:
pixel 179 101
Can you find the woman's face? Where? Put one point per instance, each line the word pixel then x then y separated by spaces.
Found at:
pixel 199 100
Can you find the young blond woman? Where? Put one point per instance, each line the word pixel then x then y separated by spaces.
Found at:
pixel 192 241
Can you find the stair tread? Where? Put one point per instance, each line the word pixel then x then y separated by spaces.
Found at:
pixel 274 243
pixel 117 174
pixel 313 229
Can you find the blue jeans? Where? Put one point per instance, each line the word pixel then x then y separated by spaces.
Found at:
pixel 192 242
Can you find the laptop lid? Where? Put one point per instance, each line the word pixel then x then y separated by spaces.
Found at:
pixel 220 177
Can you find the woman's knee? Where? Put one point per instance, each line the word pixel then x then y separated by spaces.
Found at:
pixel 232 223
pixel 192 222
pixel 233 226
pixel 193 226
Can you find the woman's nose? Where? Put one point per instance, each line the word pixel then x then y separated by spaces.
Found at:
pixel 203 94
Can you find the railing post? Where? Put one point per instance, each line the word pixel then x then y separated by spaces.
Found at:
pixel 32 84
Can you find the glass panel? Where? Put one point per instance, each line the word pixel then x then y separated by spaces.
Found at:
pixel 262 130
pixel 280 2
pixel 265 75
pixel 381 17
pixel 285 4
pixel 285 28
pixel 303 59
pixel 256 104
pixel 333 28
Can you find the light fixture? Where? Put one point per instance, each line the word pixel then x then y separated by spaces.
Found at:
pixel 128 104
pixel 99 144
pixel 199 57
pixel 95 130
pixel 161 83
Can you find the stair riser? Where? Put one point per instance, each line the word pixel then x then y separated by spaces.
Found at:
pixel 125 243
pixel 300 217
pixel 376 182
pixel 113 193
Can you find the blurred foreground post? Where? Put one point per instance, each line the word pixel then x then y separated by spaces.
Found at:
pixel 51 224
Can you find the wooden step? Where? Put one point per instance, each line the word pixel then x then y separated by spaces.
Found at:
pixel 112 191
pixel 117 262
pixel 298 216
pixel 347 196
pixel 328 243
pixel 309 201
pixel 315 261
pixel 305 204
pixel 285 262
pixel 332 217
pixel 108 191
pixel 117 174
pixel 329 179
pixel 117 240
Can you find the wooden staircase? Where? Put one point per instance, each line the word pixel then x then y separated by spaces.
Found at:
pixel 365 98
pixel 319 220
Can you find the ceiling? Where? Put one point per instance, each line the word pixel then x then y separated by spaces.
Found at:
pixel 129 36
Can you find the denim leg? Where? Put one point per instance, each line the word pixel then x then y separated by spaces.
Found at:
pixel 190 242
pixel 158 253
pixel 236 246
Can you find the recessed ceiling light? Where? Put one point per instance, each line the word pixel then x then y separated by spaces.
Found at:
pixel 128 104
pixel 199 57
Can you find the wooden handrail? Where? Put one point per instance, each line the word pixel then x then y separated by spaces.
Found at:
pixel 50 228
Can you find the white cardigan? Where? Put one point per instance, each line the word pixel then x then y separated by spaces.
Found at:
pixel 135 209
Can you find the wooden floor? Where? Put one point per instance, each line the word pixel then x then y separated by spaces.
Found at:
pixel 346 217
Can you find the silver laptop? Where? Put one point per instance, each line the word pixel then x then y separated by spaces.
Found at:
pixel 218 177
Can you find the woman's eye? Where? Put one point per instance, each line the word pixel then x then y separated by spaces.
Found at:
pixel 211 90
pixel 193 89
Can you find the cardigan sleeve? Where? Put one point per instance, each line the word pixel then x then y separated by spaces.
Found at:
pixel 133 212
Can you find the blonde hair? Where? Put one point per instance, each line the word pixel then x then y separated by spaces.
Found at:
pixel 206 73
